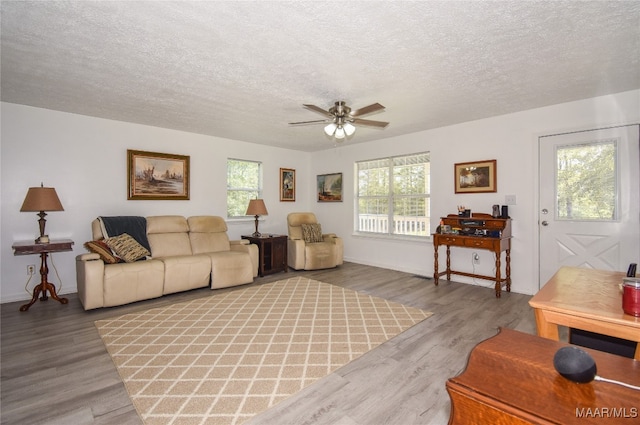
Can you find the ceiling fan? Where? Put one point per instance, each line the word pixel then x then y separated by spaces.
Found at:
pixel 341 119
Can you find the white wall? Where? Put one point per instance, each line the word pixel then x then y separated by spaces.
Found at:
pixel 84 158
pixel 510 139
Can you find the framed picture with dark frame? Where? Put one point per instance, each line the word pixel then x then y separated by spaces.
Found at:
pixel 287 185
pixel 157 176
pixel 475 177
pixel 330 187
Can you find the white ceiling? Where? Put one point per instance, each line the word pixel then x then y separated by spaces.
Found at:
pixel 242 69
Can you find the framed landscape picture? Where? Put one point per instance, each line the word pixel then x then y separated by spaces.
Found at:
pixel 287 184
pixel 475 177
pixel 153 175
pixel 330 187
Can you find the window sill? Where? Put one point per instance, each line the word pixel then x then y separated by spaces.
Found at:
pixel 239 220
pixel 392 238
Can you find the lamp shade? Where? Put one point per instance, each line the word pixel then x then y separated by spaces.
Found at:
pixel 330 129
pixel 257 207
pixel 41 199
pixel 349 129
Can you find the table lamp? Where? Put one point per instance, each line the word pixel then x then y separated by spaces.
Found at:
pixel 41 199
pixel 257 208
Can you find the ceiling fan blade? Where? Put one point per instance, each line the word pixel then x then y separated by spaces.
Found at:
pixel 310 122
pixel 369 123
pixel 367 110
pixel 319 110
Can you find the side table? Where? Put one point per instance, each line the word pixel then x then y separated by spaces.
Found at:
pixel 43 249
pixel 272 253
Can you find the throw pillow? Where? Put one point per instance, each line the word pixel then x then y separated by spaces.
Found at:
pixel 127 248
pixel 312 233
pixel 103 250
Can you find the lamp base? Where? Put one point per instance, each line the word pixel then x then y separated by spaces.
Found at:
pixel 256 234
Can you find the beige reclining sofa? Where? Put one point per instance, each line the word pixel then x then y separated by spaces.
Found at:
pixel 186 253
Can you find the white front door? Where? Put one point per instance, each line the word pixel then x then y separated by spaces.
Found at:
pixel 589 200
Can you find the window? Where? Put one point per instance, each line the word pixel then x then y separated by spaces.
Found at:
pixel 244 182
pixel 393 195
pixel 587 184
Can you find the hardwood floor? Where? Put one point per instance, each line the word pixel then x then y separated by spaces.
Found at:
pixel 55 369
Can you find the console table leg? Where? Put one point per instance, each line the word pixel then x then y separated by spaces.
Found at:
pixel 498 276
pixel 436 276
pixel 44 286
pixel 448 263
pixel 508 260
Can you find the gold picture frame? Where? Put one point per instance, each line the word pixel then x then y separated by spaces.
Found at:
pixel 157 176
pixel 476 176
pixel 287 185
pixel 329 187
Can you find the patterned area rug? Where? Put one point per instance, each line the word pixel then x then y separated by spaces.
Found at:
pixel 224 358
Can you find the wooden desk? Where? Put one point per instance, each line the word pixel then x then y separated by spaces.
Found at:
pixel 493 234
pixel 585 299
pixel 43 249
pixel 272 252
pixel 510 379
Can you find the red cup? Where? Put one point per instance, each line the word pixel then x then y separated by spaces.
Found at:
pixel 631 296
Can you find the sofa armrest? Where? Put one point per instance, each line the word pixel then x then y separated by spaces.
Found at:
pixel 90 280
pixel 87 257
pixel 243 245
pixel 339 243
pixel 295 253
pixel 239 242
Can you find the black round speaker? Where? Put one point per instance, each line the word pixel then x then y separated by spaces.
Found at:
pixel 575 364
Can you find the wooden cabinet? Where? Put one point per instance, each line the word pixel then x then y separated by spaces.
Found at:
pixel 272 253
pixel 480 231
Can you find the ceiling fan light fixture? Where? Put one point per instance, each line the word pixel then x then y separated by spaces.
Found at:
pixel 330 129
pixel 341 121
pixel 349 129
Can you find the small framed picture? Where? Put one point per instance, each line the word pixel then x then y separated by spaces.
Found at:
pixel 287 185
pixel 475 177
pixel 330 187
pixel 156 176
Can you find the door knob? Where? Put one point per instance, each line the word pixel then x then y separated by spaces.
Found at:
pixel 545 223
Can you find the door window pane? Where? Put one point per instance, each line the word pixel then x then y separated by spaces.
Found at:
pixel 586 182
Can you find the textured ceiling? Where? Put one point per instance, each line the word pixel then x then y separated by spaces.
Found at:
pixel 242 70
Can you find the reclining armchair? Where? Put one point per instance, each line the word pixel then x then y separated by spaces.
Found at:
pixel 308 248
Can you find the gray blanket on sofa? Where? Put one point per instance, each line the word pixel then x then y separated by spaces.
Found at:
pixel 134 226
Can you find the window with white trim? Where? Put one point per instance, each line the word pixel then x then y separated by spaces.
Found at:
pixel 393 196
pixel 244 182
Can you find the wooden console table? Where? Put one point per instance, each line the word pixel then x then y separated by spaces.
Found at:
pixel 43 249
pixel 272 253
pixel 585 299
pixel 480 231
pixel 510 379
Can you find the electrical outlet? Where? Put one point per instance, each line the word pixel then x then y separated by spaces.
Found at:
pixel 476 258
pixel 31 269
pixel 510 199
